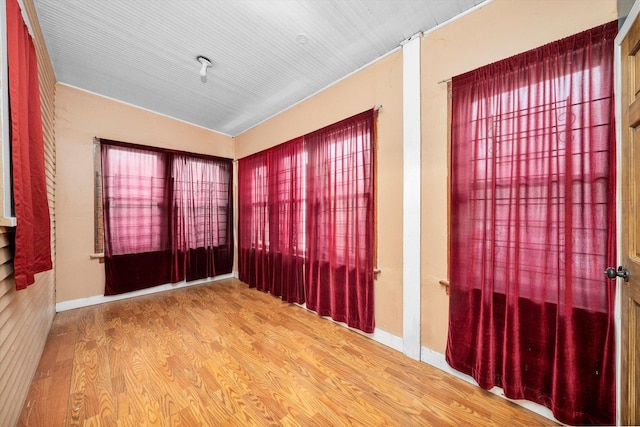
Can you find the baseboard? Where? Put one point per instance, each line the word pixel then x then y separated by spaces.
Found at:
pixel 100 299
pixel 437 360
pixel 378 335
pixel 387 339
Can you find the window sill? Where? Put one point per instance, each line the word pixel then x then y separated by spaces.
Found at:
pixel 99 257
pixel 8 221
pixel 445 283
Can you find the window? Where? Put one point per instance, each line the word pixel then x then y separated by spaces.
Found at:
pixel 166 216
pixel 273 198
pixel 526 159
pixel 200 192
pixel 533 218
pixel 210 184
pixel 260 207
pixel 307 220
pixel 348 167
pixel 286 229
pixel 136 200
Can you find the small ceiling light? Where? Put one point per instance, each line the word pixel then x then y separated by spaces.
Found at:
pixel 302 38
pixel 206 63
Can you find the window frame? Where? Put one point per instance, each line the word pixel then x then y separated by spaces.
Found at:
pixel 445 282
pixel 98 215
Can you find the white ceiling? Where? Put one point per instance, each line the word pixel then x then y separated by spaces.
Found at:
pixel 143 52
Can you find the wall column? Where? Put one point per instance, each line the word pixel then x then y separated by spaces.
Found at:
pixel 411 196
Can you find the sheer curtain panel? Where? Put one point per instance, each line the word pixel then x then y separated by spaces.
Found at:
pixel 253 220
pixel 533 227
pixel 306 221
pixel 202 217
pixel 271 224
pixel 339 200
pixel 33 229
pixel 167 216
pixel 137 238
pixel 286 169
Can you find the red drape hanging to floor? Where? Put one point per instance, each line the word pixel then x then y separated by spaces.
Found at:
pixel 137 235
pixel 167 216
pixel 533 227
pixel 339 199
pixel 201 216
pixel 271 225
pixel 253 220
pixel 33 229
pixel 306 221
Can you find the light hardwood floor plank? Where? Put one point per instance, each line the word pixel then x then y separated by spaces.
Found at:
pixel 222 354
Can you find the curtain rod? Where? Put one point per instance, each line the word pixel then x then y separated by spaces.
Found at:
pixel 444 81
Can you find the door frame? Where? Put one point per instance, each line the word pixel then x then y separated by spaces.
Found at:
pixel 634 13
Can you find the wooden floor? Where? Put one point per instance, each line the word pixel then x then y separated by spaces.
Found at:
pixel 225 355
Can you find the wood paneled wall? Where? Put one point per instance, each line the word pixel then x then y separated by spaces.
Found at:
pixel 26 316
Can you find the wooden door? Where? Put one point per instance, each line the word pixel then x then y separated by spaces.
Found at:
pixel 630 227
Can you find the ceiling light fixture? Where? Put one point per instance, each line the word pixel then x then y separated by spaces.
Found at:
pixel 206 63
pixel 302 39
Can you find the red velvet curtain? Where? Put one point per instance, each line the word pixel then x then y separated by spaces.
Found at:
pixel 271 225
pixel 201 217
pixel 306 221
pixel 167 216
pixel 253 220
pixel 33 230
pixel 137 234
pixel 533 227
pixel 286 170
pixel 339 199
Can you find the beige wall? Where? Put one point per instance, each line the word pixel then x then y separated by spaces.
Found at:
pixel 378 84
pixel 498 30
pixel 26 316
pixel 80 116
